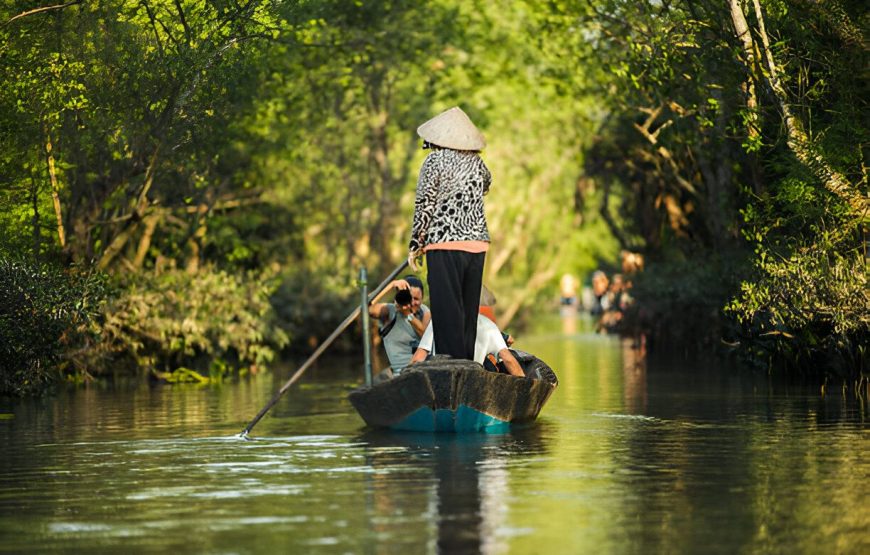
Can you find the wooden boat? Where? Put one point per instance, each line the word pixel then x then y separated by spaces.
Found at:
pixel 451 395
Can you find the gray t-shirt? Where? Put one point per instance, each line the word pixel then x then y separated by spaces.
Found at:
pixel 402 340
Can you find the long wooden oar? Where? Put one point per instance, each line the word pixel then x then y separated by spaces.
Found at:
pixel 341 327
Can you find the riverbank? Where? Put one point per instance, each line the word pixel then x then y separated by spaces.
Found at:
pixel 71 325
pixel 231 188
pixel 706 305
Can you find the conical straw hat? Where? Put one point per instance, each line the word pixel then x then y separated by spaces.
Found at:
pixel 452 129
pixel 487 298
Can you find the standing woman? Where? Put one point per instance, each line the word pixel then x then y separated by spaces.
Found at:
pixel 450 228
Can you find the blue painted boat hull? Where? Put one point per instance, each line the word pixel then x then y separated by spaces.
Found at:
pixel 456 396
pixel 462 420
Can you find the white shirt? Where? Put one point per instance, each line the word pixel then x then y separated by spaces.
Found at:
pixel 489 340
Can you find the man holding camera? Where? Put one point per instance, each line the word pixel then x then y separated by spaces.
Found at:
pixel 403 321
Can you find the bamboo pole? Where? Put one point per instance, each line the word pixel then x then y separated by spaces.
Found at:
pixel 316 354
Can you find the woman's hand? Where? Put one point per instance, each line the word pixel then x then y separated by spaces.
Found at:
pixel 401 284
pixel 404 310
pixel 412 259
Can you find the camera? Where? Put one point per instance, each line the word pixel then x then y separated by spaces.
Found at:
pixel 403 297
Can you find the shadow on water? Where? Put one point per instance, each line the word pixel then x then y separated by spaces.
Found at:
pixel 467 477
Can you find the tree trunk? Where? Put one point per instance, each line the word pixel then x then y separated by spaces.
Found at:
pixel 150 223
pixel 196 240
pixel 604 210
pixel 192 265
pixel 37 232
pixel 55 194
pixel 797 139
pixel 661 150
pixel 138 212
pixel 713 161
pixel 741 29
pixel 533 285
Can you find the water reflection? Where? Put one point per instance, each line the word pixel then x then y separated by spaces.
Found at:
pixel 568 315
pixel 632 454
pixel 634 365
pixel 467 481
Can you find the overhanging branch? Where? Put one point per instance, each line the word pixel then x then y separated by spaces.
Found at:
pixel 43 9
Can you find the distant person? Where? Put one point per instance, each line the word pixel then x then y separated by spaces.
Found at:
pixel 632 262
pixel 614 302
pixel 568 289
pixel 449 226
pixel 403 321
pixel 587 298
pixel 600 285
pixel 618 292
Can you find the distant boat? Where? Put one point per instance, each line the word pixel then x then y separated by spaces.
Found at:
pixel 452 395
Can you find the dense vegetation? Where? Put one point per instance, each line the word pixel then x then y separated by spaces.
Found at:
pixel 241 159
pixel 733 142
pixel 47 322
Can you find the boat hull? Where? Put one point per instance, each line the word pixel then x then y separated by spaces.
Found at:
pixel 447 395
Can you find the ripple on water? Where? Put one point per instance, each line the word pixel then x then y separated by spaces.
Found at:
pixel 621 461
pixel 232 492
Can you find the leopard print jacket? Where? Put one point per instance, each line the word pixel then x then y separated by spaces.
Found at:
pixel 449 204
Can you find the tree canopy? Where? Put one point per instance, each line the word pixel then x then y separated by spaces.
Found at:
pixel 724 141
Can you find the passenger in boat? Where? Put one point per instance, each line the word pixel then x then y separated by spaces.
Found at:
pixel 403 321
pixel 449 227
pixel 487 308
pixel 489 342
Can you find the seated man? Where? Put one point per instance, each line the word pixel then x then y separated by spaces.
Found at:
pixel 489 341
pixel 487 308
pixel 403 321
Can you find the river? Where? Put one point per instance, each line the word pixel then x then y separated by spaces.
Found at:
pixel 662 455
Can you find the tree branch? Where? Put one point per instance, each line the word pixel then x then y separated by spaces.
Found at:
pixel 187 33
pixel 44 9
pixel 797 138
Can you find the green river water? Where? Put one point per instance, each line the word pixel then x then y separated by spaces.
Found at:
pixel 666 455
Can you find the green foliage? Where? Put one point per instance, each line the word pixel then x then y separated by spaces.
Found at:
pixel 120 87
pixel 695 152
pixel 310 306
pixel 278 137
pixel 210 322
pixel 249 239
pixel 807 307
pixel 47 322
pixel 680 302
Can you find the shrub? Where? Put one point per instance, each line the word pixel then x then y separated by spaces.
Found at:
pixel 211 322
pixel 679 303
pixel 310 306
pixel 808 310
pixel 47 320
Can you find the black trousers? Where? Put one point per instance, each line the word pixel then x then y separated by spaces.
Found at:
pixel 454 294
